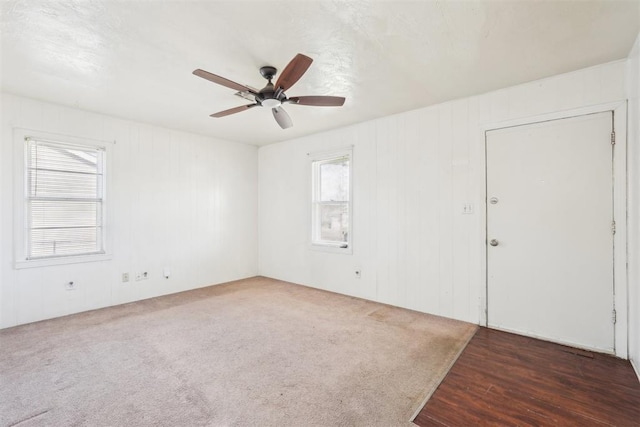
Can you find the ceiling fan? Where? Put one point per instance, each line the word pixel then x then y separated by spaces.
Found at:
pixel 273 96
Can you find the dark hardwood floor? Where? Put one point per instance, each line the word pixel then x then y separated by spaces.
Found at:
pixel 509 380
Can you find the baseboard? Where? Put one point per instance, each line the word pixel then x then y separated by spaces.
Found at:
pixel 635 368
pixel 610 352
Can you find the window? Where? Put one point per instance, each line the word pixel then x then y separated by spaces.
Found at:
pixel 331 200
pixel 64 187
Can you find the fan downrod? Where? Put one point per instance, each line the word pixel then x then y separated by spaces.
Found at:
pixel 268 72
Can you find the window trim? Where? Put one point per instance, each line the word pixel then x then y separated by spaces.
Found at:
pixel 20 210
pixel 315 159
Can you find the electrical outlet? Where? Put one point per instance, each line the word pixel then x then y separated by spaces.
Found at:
pixel 358 274
pixel 125 277
pixel 143 275
pixel 70 286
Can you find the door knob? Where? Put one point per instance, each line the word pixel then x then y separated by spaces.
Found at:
pixel 493 242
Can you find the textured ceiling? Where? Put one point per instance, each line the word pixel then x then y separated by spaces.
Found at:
pixel 133 59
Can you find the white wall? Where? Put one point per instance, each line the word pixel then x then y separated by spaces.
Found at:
pixel 412 174
pixel 177 200
pixel 189 203
pixel 633 91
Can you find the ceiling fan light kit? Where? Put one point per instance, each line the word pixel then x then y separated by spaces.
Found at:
pixel 273 96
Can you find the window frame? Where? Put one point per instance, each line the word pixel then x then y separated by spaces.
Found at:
pixel 316 160
pixel 21 199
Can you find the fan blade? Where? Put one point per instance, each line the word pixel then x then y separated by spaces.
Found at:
pixel 293 71
pixel 318 101
pixel 233 110
pixel 222 81
pixel 282 117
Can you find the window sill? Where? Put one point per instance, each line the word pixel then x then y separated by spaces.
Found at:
pixel 45 262
pixel 320 247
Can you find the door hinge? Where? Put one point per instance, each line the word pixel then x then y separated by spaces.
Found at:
pixel 614 316
pixel 613 227
pixel 613 137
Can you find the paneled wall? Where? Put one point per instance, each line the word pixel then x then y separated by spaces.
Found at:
pixel 177 201
pixel 190 204
pixel 413 174
pixel 633 91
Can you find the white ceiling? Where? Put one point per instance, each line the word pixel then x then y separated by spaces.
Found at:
pixel 134 59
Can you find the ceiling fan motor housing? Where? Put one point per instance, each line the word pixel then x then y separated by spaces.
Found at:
pixel 269 93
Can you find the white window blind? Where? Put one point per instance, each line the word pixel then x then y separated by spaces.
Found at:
pixel 64 199
pixel 331 201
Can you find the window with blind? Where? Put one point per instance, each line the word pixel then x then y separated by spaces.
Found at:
pixel 331 200
pixel 64 199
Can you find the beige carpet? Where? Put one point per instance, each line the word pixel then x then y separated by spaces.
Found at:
pixel 257 352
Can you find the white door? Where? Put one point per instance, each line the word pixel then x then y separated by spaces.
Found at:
pixel 549 231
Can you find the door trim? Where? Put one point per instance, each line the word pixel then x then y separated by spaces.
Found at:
pixel 620 196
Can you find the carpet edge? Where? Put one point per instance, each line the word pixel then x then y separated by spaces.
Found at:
pixel 439 381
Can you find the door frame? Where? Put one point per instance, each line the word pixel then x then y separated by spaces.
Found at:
pixel 620 200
